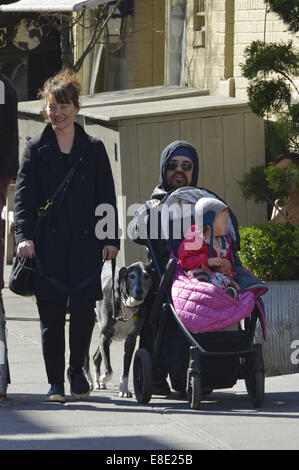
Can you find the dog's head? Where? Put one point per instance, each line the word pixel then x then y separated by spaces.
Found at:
pixel 135 283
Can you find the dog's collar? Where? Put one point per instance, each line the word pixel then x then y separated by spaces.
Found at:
pixel 126 313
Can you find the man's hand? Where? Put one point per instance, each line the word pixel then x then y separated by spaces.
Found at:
pixel 109 252
pixel 26 249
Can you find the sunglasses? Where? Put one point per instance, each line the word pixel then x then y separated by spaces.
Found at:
pixel 173 165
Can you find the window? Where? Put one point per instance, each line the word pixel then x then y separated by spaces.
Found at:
pixel 199 23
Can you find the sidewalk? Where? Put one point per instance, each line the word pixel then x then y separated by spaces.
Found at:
pixel 106 422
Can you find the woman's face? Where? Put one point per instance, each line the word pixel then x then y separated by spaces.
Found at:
pixel 61 115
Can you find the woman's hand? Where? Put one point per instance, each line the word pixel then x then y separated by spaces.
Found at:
pixel 26 249
pixel 109 252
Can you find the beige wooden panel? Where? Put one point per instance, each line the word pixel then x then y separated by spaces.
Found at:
pixel 140 174
pixel 29 127
pixel 190 130
pixel 148 157
pixel 168 132
pixel 212 155
pixel 130 251
pixel 254 155
pixel 129 163
pixel 233 151
pixel 110 138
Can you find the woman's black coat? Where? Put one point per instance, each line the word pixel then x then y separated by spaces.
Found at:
pixel 67 246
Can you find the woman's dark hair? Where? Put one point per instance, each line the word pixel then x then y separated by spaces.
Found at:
pixel 64 86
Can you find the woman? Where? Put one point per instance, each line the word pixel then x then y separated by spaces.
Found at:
pixel 66 245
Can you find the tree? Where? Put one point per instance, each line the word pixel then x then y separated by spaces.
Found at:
pixel 288 10
pixel 65 24
pixel 270 68
pixel 271 183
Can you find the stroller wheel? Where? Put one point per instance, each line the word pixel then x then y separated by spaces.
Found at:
pixel 194 391
pixel 142 376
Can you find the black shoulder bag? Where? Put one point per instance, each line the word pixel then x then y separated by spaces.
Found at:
pixel 23 270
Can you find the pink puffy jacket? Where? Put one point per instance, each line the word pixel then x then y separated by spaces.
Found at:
pixel 204 307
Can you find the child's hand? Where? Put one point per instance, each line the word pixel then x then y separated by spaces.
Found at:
pixel 215 262
pixel 226 269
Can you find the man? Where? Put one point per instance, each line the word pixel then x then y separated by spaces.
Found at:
pixel 9 163
pixel 178 169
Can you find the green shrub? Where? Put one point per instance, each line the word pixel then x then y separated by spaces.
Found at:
pixel 271 252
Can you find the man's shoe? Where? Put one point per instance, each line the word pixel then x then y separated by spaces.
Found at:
pixel 161 388
pixel 80 387
pixel 56 393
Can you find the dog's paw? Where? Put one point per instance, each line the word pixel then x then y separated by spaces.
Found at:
pixel 124 391
pixel 126 394
pixel 99 386
pixel 105 378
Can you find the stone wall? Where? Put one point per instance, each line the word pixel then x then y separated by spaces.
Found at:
pixel 229 27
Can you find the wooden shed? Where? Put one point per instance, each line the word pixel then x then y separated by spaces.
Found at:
pixel 228 136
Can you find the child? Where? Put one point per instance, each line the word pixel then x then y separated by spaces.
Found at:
pixel 205 253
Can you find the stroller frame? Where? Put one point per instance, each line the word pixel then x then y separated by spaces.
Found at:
pixel 217 359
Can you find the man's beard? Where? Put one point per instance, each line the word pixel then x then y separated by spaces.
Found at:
pixel 178 183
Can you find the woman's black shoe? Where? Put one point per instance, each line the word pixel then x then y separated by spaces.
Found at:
pixel 56 393
pixel 79 385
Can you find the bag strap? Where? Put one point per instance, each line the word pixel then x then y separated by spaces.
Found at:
pixel 42 211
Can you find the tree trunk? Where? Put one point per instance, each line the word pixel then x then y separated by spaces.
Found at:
pixel 65 43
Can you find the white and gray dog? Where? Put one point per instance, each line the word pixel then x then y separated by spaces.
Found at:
pixel 119 319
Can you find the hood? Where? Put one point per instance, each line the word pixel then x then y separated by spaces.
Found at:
pixel 163 188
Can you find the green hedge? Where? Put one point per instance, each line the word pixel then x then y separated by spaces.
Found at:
pixel 271 252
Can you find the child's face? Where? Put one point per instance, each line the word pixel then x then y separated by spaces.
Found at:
pixel 220 224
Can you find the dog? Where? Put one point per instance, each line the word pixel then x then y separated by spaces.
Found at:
pixel 119 319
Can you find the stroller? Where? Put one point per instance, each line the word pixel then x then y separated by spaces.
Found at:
pixel 217 358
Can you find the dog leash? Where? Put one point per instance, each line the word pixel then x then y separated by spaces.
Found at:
pixel 58 284
pixel 113 266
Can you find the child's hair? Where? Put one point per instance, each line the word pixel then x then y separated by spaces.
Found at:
pixel 206 227
pixel 65 87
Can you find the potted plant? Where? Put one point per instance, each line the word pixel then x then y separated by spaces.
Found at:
pixel 271 252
